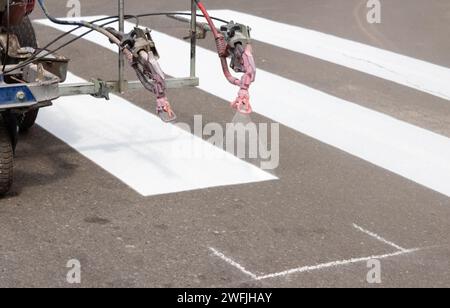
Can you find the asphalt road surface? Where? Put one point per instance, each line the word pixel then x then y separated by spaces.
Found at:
pixel 364 166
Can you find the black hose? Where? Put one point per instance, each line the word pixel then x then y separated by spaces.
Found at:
pixel 92 26
pixel 126 18
pixel 56 20
pixel 35 58
pixel 79 27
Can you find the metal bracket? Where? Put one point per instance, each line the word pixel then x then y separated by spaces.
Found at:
pixel 15 50
pixel 236 33
pixel 201 31
pixel 101 89
pixel 44 77
pixel 40 86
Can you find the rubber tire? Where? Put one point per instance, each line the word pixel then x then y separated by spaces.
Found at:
pixel 27 120
pixel 27 38
pixel 25 33
pixel 6 159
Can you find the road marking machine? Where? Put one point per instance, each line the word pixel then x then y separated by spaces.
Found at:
pixel 31 77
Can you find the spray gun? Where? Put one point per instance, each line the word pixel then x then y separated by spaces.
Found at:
pixel 139 49
pixel 238 38
pixel 234 39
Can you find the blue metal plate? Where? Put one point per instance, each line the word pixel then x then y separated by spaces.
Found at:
pixel 16 94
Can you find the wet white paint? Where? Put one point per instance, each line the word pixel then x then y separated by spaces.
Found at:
pixel 139 149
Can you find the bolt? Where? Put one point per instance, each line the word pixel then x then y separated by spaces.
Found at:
pixel 20 96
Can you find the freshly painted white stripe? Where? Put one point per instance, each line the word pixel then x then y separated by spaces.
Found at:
pixel 139 149
pixel 334 264
pixel 417 74
pixel 232 263
pixel 407 150
pixel 379 238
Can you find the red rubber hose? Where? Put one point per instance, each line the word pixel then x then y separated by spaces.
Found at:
pixel 222 46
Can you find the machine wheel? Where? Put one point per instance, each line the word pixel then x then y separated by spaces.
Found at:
pixel 27 120
pixel 25 33
pixel 6 158
pixel 27 38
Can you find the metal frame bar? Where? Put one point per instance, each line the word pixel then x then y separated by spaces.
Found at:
pixel 121 8
pixel 52 90
pixel 42 84
pixel 193 37
pixel 122 85
pixel 97 87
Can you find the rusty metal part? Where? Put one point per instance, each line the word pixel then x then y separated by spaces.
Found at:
pixel 42 84
pixel 15 51
pixel 18 9
pixel 56 64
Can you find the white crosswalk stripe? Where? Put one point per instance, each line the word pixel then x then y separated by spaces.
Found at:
pixel 412 152
pixel 139 149
pixel 407 71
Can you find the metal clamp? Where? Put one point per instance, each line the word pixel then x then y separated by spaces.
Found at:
pixel 101 89
pixel 236 33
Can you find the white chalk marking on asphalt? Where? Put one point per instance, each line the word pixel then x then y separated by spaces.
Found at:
pixel 379 238
pixel 311 268
pixel 407 71
pixel 232 263
pixel 139 149
pixel 404 149
pixel 334 264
